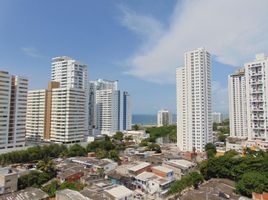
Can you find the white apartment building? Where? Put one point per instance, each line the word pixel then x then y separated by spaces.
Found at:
pixel 36 109
pixel 237 104
pixel 217 117
pixel 107 111
pixel 164 117
pixel 69 73
pixel 194 120
pixel 256 73
pixel 60 113
pixel 109 108
pixel 13 100
pixel 67 115
pixel 95 86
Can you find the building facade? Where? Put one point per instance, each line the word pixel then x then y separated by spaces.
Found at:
pixel 237 104
pixel 217 117
pixel 67 115
pixel 8 180
pixel 127 111
pixel 256 73
pixel 60 112
pixel 164 118
pixel 36 110
pixel 69 73
pixel 194 120
pixel 13 96
pixel 109 108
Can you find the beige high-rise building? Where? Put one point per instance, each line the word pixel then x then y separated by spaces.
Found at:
pixel 60 113
pixel 68 115
pixel 13 101
pixel 237 104
pixel 36 110
pixel 194 120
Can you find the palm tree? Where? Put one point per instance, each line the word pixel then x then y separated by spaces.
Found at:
pixel 46 166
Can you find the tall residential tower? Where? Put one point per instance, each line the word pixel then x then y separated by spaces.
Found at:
pixel 194 120
pixel 60 113
pixel 13 100
pixel 237 104
pixel 256 73
pixel 109 108
pixel 164 117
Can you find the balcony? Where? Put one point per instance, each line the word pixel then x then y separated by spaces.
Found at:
pixel 257 109
pixel 256 73
pixel 258 118
pixel 257 100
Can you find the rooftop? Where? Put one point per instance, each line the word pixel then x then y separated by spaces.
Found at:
pixel 181 163
pixel 120 192
pixel 139 166
pixel 6 170
pixel 163 169
pixel 71 194
pixel 26 194
pixel 145 176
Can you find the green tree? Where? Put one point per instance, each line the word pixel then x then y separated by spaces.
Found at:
pixel 51 188
pixel 154 147
pixel 118 136
pixel 222 138
pixel 34 179
pixel 76 150
pixel 101 153
pixel 211 150
pixel 193 179
pixel 252 182
pixel 136 127
pixel 46 166
pixel 143 143
pixel 128 138
pixel 197 179
pixel 114 155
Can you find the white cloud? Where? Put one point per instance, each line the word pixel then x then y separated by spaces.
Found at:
pixel 232 30
pixel 31 51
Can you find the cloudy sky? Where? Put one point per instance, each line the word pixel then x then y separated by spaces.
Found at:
pixel 139 43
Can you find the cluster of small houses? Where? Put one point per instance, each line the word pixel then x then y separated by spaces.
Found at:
pixel 140 175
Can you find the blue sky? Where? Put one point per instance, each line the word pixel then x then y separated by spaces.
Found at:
pixel 139 43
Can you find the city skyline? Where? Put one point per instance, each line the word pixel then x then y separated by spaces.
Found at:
pixel 110 38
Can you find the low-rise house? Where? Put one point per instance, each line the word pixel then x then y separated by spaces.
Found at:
pixel 164 172
pixel 90 162
pixel 139 168
pixel 68 194
pixel 26 194
pixel 119 193
pixel 236 144
pixel 152 183
pixel 137 136
pixel 92 177
pixel 8 180
pixel 180 166
pixel 107 165
pixel 71 174
pixel 96 190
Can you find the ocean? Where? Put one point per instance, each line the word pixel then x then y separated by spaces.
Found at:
pixel 147 119
pixel 144 119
